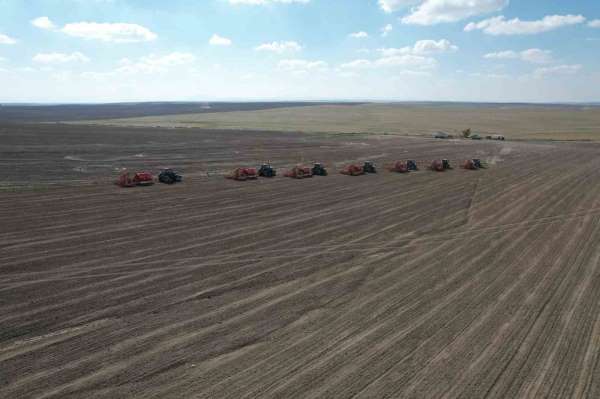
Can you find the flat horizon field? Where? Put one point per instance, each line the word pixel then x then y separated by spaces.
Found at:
pixel 515 121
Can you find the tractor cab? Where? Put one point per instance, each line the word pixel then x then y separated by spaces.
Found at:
pixel 169 176
pixel 369 167
pixel 319 170
pixel 266 170
pixel 411 165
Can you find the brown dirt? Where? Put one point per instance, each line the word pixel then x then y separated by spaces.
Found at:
pixel 456 284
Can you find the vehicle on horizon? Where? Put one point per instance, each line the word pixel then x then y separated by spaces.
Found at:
pixel 243 174
pixel 266 170
pixel 126 179
pixel 369 167
pixel 299 172
pixel 319 170
pixel 169 176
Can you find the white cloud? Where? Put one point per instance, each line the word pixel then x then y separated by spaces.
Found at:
pixel 110 32
pixel 4 39
pixel 422 47
pixel 217 40
pixel 431 12
pixel 432 46
pixel 43 23
pixel 557 70
pixel 359 35
pixel 501 26
pixel 490 75
pixel 386 30
pixel 357 64
pixel 414 73
pixel 395 5
pixel 537 56
pixel 533 55
pixel 154 63
pixel 279 47
pixel 416 57
pixel 502 55
pixel 407 60
pixel 59 58
pixel 299 65
pixel 265 2
pixel 594 23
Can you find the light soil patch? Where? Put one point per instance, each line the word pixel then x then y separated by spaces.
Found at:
pixel 515 122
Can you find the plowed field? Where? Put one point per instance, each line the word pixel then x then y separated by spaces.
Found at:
pixel 461 284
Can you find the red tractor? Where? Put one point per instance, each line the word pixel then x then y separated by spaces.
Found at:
pixel 472 164
pixel 299 172
pixel 243 174
pixel 399 167
pixel 353 170
pixel 126 179
pixel 469 164
pixel 440 165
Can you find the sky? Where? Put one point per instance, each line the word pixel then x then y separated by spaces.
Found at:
pixel 383 50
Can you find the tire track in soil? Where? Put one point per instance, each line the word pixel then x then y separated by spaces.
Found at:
pixel 382 285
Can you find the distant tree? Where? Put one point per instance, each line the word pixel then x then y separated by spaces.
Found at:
pixel 466 133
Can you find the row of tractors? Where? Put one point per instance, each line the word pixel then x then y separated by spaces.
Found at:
pixel 302 171
pixel 169 176
pixel 166 176
pixel 267 170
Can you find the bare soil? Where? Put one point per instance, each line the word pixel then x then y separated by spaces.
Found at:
pixel 461 284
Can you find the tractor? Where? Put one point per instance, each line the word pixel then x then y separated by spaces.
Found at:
pixel 412 165
pixel 469 164
pixel 169 176
pixel 437 165
pixel 299 172
pixel 399 167
pixel 137 179
pixel 266 170
pixel 440 165
pixel 353 170
pixel 369 167
pixel 319 170
pixel 242 174
pixel 473 164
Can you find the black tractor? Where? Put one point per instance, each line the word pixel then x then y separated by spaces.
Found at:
pixel 411 165
pixel 169 176
pixel 478 164
pixel 446 164
pixel 266 170
pixel 369 167
pixel 319 170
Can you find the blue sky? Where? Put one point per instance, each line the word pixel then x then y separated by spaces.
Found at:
pixel 456 50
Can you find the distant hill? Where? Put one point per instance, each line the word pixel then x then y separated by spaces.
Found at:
pixel 75 112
